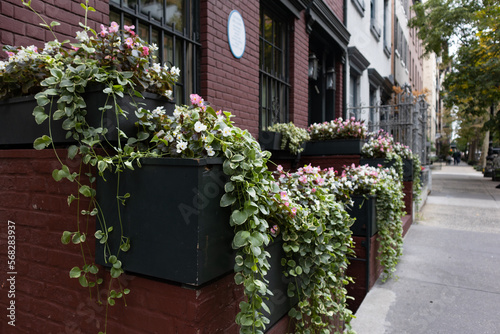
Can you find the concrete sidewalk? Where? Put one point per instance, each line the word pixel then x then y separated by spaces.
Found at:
pixel 449 274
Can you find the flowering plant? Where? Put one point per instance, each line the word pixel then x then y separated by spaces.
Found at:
pixel 385 185
pixel 338 129
pixel 107 52
pixel 317 241
pixel 379 145
pixel 293 137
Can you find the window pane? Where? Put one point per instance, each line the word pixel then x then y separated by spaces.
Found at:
pixel 278 63
pixel 175 10
pixel 168 50
pixel 143 32
pixel 268 28
pixel 268 58
pixel 155 7
pixel 114 17
pixel 278 28
pixel 155 39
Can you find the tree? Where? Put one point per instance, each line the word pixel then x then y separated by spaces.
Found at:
pixel 473 28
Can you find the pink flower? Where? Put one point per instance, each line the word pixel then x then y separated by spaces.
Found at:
pixel 287 204
pixel 104 31
pixel 129 41
pixel 219 113
pixel 284 195
pixel 129 29
pixel 303 179
pixel 294 211
pixel 196 100
pixel 145 50
pixel 279 168
pixel 114 27
pixel 320 181
pixel 313 190
pixel 309 169
pixel 10 54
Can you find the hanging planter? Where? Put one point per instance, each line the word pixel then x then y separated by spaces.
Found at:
pixel 176 226
pixel 19 128
pixel 334 147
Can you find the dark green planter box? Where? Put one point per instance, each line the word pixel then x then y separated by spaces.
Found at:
pixel 407 166
pixel 365 212
pixel 270 140
pixel 279 303
pixel 177 229
pixel 18 126
pixel 334 147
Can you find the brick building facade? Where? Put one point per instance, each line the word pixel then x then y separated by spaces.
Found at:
pixel 290 89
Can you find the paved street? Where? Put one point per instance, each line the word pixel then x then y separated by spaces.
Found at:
pixel 449 274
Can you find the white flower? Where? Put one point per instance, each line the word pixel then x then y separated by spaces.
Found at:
pixel 82 36
pixel 170 138
pixel 227 131
pixel 181 146
pixel 199 127
pixel 159 111
pixel 177 113
pixel 175 71
pixel 210 151
pixel 168 94
pixel 221 118
pixel 153 47
pixel 157 67
pixel 2 66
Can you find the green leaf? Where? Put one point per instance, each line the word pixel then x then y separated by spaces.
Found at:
pixel 75 272
pixel 42 142
pixel 115 273
pixel 40 115
pixel 83 281
pixel 227 199
pixel 66 237
pixel 85 191
pixel 241 239
pixel 239 217
pixel 72 151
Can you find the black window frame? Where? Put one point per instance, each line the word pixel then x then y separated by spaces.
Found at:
pixel 270 79
pixel 188 38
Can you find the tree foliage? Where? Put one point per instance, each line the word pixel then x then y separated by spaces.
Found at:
pixel 473 26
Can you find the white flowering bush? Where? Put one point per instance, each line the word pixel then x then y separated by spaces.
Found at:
pixel 292 137
pixel 338 129
pixel 385 185
pixel 191 132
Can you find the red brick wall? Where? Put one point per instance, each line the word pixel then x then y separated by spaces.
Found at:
pixel 67 12
pixel 299 63
pixel 47 300
pixel 339 93
pixel 337 7
pixel 228 82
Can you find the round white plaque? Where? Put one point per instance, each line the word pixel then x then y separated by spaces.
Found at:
pixel 236 34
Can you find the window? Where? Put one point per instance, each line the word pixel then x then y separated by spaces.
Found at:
pixel 274 77
pixel 353 90
pixel 386 31
pixel 173 25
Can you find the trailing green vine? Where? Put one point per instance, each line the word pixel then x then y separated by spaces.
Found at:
pixel 317 241
pixel 385 184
